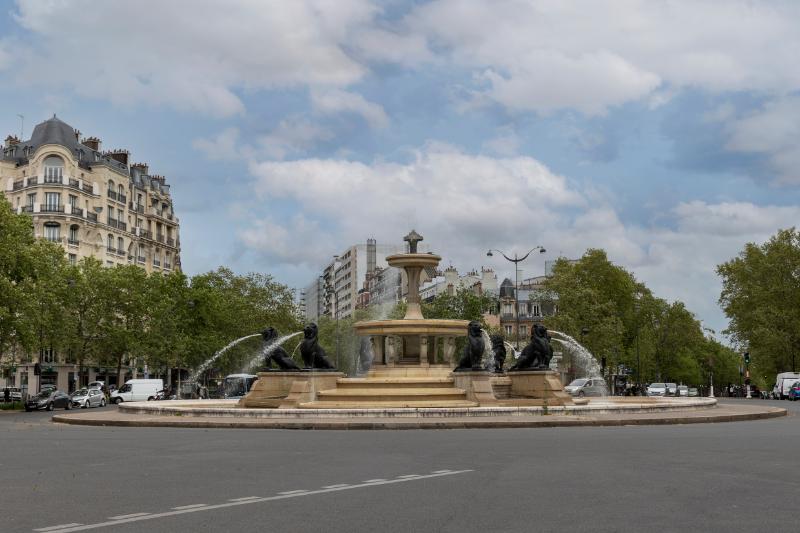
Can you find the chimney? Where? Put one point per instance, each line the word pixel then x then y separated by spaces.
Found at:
pixel 143 168
pixel 77 135
pixel 92 142
pixel 120 156
pixel 160 179
pixel 11 140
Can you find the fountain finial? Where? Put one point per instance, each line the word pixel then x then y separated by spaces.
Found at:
pixel 412 239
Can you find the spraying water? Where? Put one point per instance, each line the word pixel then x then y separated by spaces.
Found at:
pixel 267 350
pixel 583 357
pixel 202 368
pixel 487 361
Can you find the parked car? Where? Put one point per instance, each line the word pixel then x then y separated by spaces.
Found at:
pixel 587 387
pixel 48 399
pixel 783 382
pixel 794 392
pixel 86 398
pixel 693 392
pixel 682 390
pixel 137 390
pixel 672 389
pixel 657 389
pixel 97 385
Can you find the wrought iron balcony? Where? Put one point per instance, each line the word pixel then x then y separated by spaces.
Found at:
pixel 18 185
pixel 54 179
pixel 73 242
pixel 52 208
pixel 75 210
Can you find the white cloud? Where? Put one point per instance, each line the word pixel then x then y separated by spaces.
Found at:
pixel 193 56
pixel 225 146
pixel 293 135
pixel 773 131
pixel 506 143
pixel 337 101
pixel 594 55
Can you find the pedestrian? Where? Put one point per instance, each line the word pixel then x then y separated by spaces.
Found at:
pixel 6 395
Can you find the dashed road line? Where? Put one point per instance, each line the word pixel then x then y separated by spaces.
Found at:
pixel 124 516
pixel 339 486
pixel 244 499
pixel 193 506
pixel 69 528
pixel 54 528
pixel 376 480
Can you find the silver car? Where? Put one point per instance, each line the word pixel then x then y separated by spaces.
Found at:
pixel 587 387
pixel 86 398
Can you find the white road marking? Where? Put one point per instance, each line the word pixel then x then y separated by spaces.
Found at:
pixel 374 480
pixel 244 499
pixel 441 471
pixel 290 492
pixel 408 476
pixel 340 485
pixel 124 516
pixel 69 528
pixel 194 505
pixel 53 528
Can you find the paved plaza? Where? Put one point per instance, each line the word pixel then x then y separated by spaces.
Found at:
pixel 737 476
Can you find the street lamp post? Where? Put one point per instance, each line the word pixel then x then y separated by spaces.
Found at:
pixel 516 260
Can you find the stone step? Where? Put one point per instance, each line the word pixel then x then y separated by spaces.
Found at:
pixel 370 395
pixel 360 404
pixel 395 382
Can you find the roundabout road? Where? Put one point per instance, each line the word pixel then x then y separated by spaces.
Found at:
pixel 705 477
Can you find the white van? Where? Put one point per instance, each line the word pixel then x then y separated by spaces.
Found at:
pixel 784 382
pixel 137 390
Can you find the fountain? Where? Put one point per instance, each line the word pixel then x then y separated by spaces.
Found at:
pixel 413 363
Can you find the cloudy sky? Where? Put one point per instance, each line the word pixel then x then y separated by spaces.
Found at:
pixel 666 132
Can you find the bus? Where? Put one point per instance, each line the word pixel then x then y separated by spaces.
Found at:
pixel 236 386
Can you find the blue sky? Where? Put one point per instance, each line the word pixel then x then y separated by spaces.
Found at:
pixel 666 133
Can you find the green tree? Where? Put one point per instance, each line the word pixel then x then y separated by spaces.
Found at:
pixel 761 296
pixel 464 304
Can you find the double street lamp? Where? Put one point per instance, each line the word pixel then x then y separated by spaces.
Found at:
pixel 516 260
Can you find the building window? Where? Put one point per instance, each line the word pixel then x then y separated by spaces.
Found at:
pixel 523 330
pixel 120 244
pixel 508 330
pixel 47 355
pixel 111 188
pixel 52 231
pixel 52 201
pixel 73 259
pixel 53 169
pixel 73 234
pixel 536 310
pixel 508 309
pixel 121 192
pixel 110 241
pixel 31 200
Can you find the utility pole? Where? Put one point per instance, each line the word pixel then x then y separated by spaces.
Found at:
pixel 21 126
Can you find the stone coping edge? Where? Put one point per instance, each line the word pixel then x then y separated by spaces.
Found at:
pixel 461 423
pixel 194 408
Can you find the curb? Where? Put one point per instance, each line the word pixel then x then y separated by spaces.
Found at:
pixel 451 423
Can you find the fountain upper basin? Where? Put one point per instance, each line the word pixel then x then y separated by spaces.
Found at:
pixel 421 326
pixel 413 260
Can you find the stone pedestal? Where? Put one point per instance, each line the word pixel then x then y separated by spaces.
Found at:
pixel 477 385
pixel 270 389
pixel 305 387
pixel 275 389
pixel 543 384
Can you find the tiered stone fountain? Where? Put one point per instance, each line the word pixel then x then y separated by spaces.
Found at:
pixel 413 364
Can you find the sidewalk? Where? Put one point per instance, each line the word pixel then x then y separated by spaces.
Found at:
pixel 723 413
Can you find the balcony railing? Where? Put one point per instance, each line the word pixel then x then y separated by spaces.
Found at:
pixel 75 184
pixel 114 223
pixel 145 234
pixel 159 237
pixel 121 198
pixel 121 252
pixel 170 241
pixel 139 208
pixel 112 194
pixel 52 208
pixel 54 179
pixel 167 266
pixel 156 262
pixel 27 209
pixel 73 242
pixel 91 216
pixel 53 238
pixel 88 188
pixel 140 259
pixel 18 185
pixel 75 210
pixel 111 250
pixel 33 180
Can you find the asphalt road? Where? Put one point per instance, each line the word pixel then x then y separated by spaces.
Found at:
pixel 707 477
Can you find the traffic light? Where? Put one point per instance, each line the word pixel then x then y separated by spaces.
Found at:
pixel 747 358
pixel 37 369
